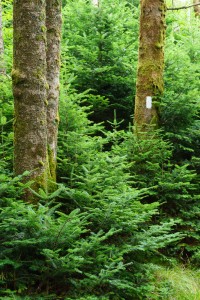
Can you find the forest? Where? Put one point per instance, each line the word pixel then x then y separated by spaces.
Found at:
pixel 100 149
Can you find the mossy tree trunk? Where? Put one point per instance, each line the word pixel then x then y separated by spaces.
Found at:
pixel 2 63
pixel 30 90
pixel 53 24
pixel 196 8
pixel 36 68
pixel 150 64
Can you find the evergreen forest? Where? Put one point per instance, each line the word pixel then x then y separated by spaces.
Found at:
pixel 100 200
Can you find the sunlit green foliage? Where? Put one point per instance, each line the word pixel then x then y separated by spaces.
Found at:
pixel 124 205
pixel 100 247
pixel 100 49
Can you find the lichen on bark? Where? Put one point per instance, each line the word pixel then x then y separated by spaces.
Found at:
pixel 150 62
pixel 53 25
pixel 29 90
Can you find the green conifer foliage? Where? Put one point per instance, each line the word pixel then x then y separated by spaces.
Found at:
pixel 100 48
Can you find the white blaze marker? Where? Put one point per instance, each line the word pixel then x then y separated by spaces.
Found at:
pixel 149 102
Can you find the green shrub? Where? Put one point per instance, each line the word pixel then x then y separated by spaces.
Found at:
pixel 100 242
pixel 100 251
pixel 100 49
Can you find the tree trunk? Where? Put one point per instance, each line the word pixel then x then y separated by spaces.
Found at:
pixel 151 64
pixel 196 8
pixel 30 91
pixel 53 24
pixel 2 63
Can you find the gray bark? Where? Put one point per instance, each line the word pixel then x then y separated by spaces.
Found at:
pixel 53 24
pixel 30 90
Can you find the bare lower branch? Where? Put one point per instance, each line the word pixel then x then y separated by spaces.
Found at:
pixel 183 7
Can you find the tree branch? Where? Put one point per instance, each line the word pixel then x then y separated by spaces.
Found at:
pixel 183 7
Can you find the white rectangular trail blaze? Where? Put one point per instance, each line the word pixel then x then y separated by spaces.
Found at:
pixel 149 102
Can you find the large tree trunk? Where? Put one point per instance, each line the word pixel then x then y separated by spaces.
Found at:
pixel 53 24
pixel 2 63
pixel 150 64
pixel 30 90
pixel 196 8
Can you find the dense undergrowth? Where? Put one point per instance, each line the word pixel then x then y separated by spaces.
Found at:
pixel 126 209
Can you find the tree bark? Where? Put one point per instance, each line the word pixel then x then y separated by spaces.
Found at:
pixel 30 91
pixel 2 63
pixel 53 24
pixel 196 8
pixel 150 63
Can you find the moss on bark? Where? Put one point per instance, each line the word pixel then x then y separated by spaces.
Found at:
pixel 150 62
pixel 196 8
pixel 29 90
pixel 35 74
pixel 53 24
